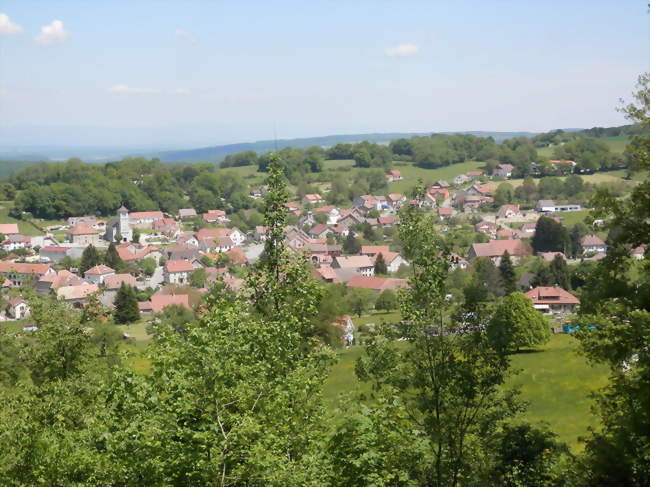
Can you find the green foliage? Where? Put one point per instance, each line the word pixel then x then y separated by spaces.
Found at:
pixel 89 259
pixel 550 236
pixel 516 324
pixel 360 300
pixel 447 383
pixel 387 301
pixel 112 259
pixel 380 265
pixel 126 305
pixel 148 266
pixel 507 271
pixel 351 245
pixel 198 277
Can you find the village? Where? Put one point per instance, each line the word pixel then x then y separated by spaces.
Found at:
pixel 173 260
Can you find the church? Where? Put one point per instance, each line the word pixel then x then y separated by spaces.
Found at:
pixel 119 225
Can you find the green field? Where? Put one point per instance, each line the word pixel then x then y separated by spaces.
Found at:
pixel 615 144
pixel 25 228
pixel 556 381
pixel 601 177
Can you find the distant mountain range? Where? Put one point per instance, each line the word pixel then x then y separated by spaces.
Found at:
pixel 218 152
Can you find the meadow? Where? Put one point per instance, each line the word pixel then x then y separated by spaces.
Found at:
pixel 555 381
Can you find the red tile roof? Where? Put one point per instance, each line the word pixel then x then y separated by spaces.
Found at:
pixel 82 229
pixel 99 270
pixel 24 268
pixel 377 283
pixel 146 215
pixel 551 295
pixel 496 248
pixel 178 266
pixel 9 228
pixel 116 280
pixel 374 249
pixel 160 302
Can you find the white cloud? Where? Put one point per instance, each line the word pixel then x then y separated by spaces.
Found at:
pixel 182 91
pixel 7 27
pixel 122 88
pixel 52 34
pixel 186 34
pixel 401 50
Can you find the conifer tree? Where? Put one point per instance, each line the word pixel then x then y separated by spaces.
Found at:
pixel 380 265
pixel 351 244
pixel 89 259
pixel 112 258
pixel 507 271
pixel 126 305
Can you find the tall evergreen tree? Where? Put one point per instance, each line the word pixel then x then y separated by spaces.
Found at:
pixel 560 272
pixel 89 259
pixel 112 258
pixel 380 264
pixel 351 244
pixel 550 236
pixel 508 276
pixel 126 305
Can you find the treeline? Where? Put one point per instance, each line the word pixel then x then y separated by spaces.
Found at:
pixel 58 190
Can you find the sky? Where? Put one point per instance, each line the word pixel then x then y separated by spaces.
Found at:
pixel 192 73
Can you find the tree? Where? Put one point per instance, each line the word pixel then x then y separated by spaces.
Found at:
pixel 386 301
pixel 360 300
pixel 112 259
pixel 550 236
pixel 198 277
pixel 446 384
pixel 616 301
pixel 488 276
pixel 504 194
pixel 89 259
pixel 508 276
pixel 126 305
pixel 516 324
pixel 136 235
pixel 148 266
pixel 560 272
pixel 362 158
pixel 380 264
pixel 351 245
pixel 173 318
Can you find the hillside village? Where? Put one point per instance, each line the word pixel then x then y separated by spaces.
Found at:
pixel 173 259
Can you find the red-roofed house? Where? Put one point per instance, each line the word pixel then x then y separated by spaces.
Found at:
pixel 97 274
pixel 393 175
pixel 494 249
pixel 76 295
pixel 504 170
pixel 327 274
pixel 161 301
pixel 313 199
pixel 474 174
pixel 83 234
pixel 177 271
pixel 19 273
pixel 9 229
pixel 361 264
pixel 509 211
pixel 445 212
pixel 486 228
pixel 373 250
pixel 377 283
pixel 592 243
pixel 215 216
pixel 114 281
pixel 553 300
pixel 320 230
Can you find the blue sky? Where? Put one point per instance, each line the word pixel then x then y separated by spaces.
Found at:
pixel 208 72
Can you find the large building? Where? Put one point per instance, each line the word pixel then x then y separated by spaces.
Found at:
pixel 119 225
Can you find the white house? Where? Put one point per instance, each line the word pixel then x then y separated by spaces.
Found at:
pixel 592 243
pixel 504 170
pixel 97 274
pixel 177 271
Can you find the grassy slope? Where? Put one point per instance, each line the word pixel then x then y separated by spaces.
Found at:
pixel 556 381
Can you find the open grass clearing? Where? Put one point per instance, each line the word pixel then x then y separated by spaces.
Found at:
pixel 556 381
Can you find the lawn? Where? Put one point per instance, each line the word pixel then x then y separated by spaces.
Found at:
pixel 570 218
pixel 25 228
pixel 615 144
pixel 556 382
pixel 411 174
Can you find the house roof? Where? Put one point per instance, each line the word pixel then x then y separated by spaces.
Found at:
pixel 82 229
pixel 327 273
pixel 377 283
pixel 374 249
pixel 9 228
pixel 178 266
pixel 24 268
pixel 386 220
pixel 504 209
pixel 116 280
pixel 354 261
pixel 445 210
pixel 212 232
pixel 551 295
pixel 185 212
pixel 160 302
pixel 145 215
pixel 395 196
pixel 319 228
pixel 99 270
pixel 313 197
pixel 62 278
pixel 474 173
pixel 80 291
pixel 496 248
pixel 324 209
pixel 591 240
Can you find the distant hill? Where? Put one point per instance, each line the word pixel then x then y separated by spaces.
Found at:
pixel 217 153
